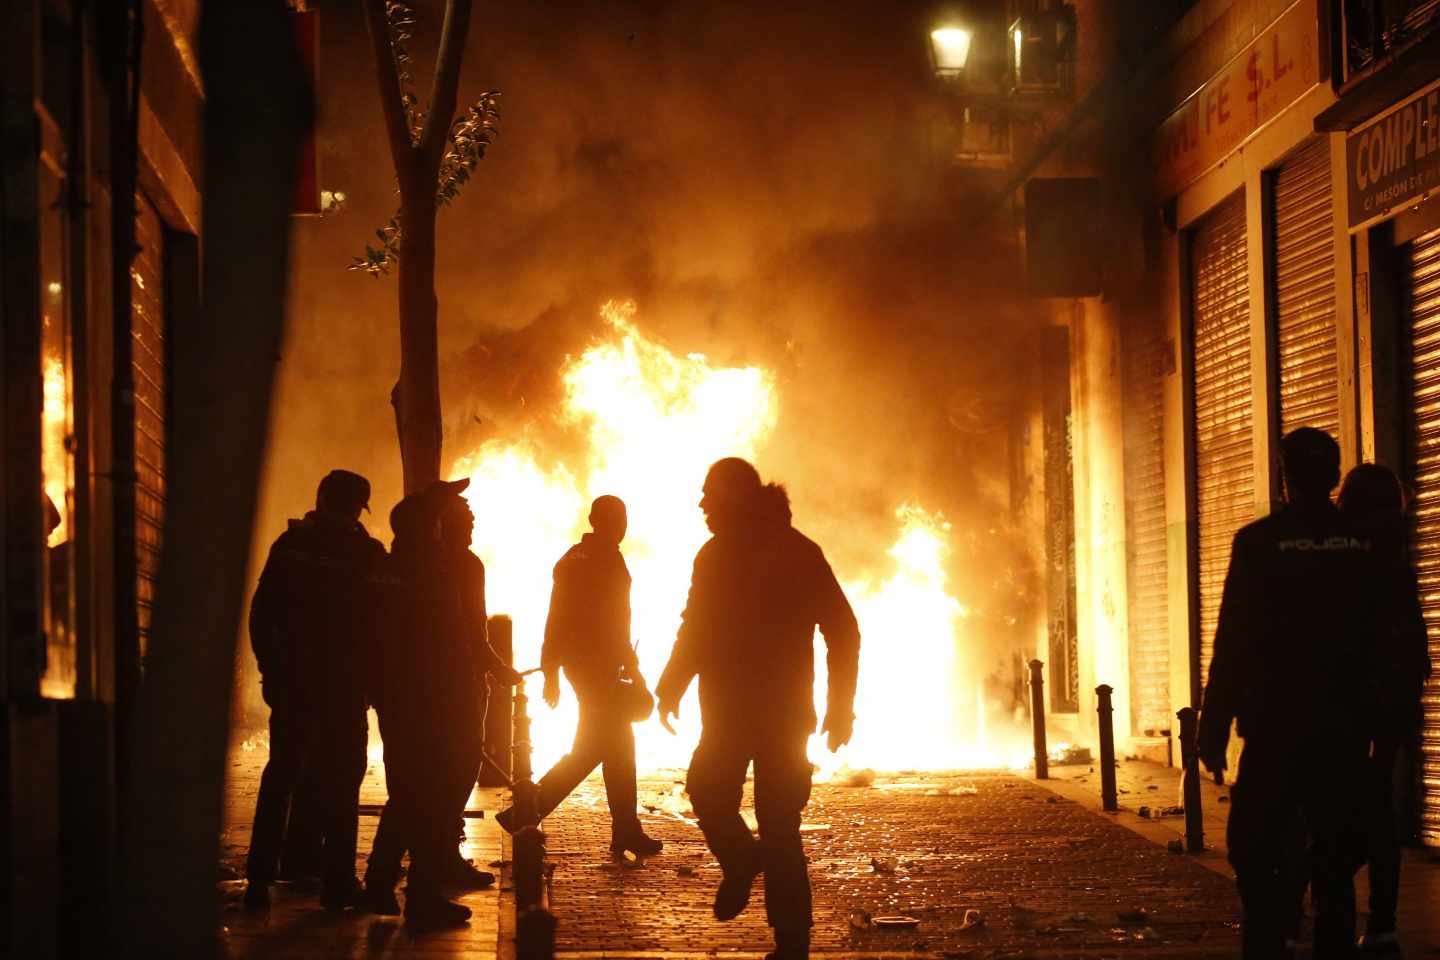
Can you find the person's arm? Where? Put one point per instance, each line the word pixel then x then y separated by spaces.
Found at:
pixel 842 654
pixel 557 633
pixel 488 660
pixel 265 612
pixel 630 662
pixel 1228 666
pixel 684 663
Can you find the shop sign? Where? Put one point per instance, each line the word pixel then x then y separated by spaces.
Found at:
pixel 1276 69
pixel 1394 159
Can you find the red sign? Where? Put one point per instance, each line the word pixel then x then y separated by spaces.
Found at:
pixel 1275 70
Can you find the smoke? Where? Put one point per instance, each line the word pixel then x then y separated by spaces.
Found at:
pixel 767 182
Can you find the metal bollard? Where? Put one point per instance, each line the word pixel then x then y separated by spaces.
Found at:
pixel 1190 780
pixel 1109 798
pixel 1037 719
pixel 498 716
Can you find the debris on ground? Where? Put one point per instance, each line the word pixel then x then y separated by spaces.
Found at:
pixel 861 920
pixel 1137 915
pixel 973 919
pixel 685 870
pixel 854 778
pixel 884 864
pixel 1175 846
pixel 896 922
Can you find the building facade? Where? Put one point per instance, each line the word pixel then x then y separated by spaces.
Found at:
pixel 101 114
pixel 1265 172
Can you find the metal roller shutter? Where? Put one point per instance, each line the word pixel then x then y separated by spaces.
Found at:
pixel 1223 427
pixel 1304 278
pixel 1145 532
pixel 1423 267
pixel 147 319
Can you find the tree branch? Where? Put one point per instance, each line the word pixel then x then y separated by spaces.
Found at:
pixel 392 103
pixel 444 91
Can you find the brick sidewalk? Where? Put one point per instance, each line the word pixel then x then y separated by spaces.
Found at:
pixel 1049 877
pixel 296 928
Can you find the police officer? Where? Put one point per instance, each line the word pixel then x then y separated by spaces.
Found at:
pixel 758 590
pixel 587 634
pixel 311 624
pixel 1291 668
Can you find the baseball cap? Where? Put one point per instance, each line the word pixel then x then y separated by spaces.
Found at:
pixel 344 487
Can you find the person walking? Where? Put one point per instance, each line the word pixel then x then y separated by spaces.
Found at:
pixel 1293 651
pixel 311 627
pixel 758 590
pixel 587 634
pixel 1371 498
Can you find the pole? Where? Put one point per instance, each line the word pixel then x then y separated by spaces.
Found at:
pixel 498 717
pixel 1190 780
pixel 1108 798
pixel 1037 719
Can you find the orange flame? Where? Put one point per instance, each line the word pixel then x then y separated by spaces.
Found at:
pixel 655 422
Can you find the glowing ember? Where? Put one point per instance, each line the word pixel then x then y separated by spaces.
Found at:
pixel 655 422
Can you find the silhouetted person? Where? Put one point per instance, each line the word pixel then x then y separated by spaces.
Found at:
pixel 587 634
pixel 428 676
pixel 463 577
pixel 1372 499
pixel 312 628
pixel 758 591
pixel 1292 658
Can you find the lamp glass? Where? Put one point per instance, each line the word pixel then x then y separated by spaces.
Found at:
pixel 952 49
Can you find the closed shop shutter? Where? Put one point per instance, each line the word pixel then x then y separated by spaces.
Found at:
pixel 147 326
pixel 1223 427
pixel 1304 278
pixel 1423 267
pixel 1145 531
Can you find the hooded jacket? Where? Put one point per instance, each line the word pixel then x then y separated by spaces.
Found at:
pixel 757 594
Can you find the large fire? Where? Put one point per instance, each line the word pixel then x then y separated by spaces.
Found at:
pixel 654 422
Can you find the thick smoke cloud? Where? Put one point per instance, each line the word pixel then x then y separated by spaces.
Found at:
pixel 766 181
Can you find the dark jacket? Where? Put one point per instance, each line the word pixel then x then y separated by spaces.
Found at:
pixel 1298 630
pixel 1403 660
pixel 467 624
pixel 756 597
pixel 313 618
pixel 588 630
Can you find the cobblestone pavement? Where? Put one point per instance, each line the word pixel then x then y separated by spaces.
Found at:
pixel 1049 877
pixel 296 928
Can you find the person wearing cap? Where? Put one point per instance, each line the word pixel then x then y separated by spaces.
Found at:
pixel 430 698
pixel 758 591
pixel 1297 631
pixel 311 623
pixel 587 633
pixel 463 578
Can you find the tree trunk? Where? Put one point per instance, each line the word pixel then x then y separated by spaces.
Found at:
pixel 417 394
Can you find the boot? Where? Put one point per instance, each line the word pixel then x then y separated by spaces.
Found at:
pixel 379 900
pixel 425 912
pixel 633 839
pixel 342 896
pixel 464 875
pixel 733 896
pixel 790 945
pixel 257 896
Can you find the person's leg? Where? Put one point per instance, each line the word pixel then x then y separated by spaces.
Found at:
pixel 272 803
pixel 716 783
pixel 561 780
pixel 782 788
pixel 1384 840
pixel 1332 788
pixel 342 771
pixel 1262 811
pixel 392 833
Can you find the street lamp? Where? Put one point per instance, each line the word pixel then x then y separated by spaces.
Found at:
pixel 950 48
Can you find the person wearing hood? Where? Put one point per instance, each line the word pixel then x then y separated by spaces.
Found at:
pixel 758 591
pixel 1372 499
pixel 1298 632
pixel 587 634
pixel 311 627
